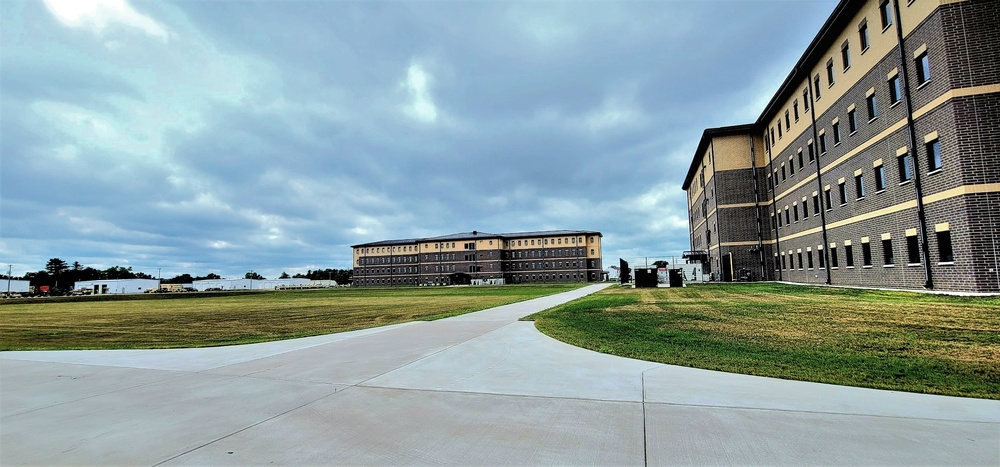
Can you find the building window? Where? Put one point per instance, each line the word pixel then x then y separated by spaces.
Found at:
pixel 833 257
pixel 829 72
pixel 791 261
pixel 933 155
pixel 866 254
pixel 816 83
pixel 779 219
pixel 885 14
pixel 859 185
pixel 822 144
pixel 788 217
pixel 791 166
pixel 863 36
pixel 795 109
pixel 800 261
pixel 805 209
pixel 821 258
pixel 912 250
pixel 879 178
pixel 836 133
pixel 852 121
pixel 945 254
pixel 829 199
pixel 805 100
pixel 778 123
pixel 812 155
pixel 776 177
pixel 905 170
pixel 843 193
pixel 809 258
pixel 795 212
pixel 783 177
pixel 849 256
pixel 772 136
pixel 895 92
pixel 788 123
pixel 887 256
pixel 872 107
pixel 845 55
pixel 783 261
pixel 815 204
pixel 923 68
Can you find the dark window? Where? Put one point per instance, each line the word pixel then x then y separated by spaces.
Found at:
pixel 822 261
pixel 859 185
pixel 795 109
pixel 923 68
pixel 895 93
pixel 809 258
pixel 885 13
pixel 800 260
pixel 795 212
pixel 805 209
pixel 833 257
pixel 783 175
pixel 887 255
pixel 791 166
pixel 815 204
pixel 779 219
pixel 788 217
pixel 805 100
pixel 783 262
pixel 945 255
pixel 816 83
pixel 863 35
pixel 772 136
pixel 836 133
pixel 788 123
pixel 801 164
pixel 774 223
pixel 872 107
pixel 843 193
pixel 866 254
pixel 812 155
pixel 822 144
pixel 849 255
pixel 779 128
pixel 933 155
pixel 852 120
pixel 776 177
pixel 845 55
pixel 912 249
pixel 879 178
pixel 791 261
pixel 829 199
pixel 905 170
pixel 829 72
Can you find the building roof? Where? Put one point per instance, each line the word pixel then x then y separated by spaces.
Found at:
pixel 814 53
pixel 706 139
pixel 475 235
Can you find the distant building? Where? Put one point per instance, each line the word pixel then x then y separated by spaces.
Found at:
pixel 247 284
pixel 480 257
pixel 117 286
pixel 875 164
pixel 14 286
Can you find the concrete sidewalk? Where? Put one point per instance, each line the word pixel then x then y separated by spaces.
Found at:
pixel 480 388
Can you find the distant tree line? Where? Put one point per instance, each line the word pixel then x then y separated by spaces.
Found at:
pixel 61 275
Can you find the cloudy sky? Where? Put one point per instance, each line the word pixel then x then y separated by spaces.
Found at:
pixel 224 136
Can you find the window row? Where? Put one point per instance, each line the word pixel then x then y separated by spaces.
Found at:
pixel 802 260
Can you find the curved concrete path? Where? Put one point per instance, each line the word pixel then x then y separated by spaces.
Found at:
pixel 481 388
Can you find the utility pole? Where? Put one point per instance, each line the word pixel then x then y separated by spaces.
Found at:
pixel 10 270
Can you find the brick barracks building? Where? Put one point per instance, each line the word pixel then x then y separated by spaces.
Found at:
pixel 510 258
pixel 876 163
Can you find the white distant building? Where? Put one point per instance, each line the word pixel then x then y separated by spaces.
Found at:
pixel 15 286
pixel 247 284
pixel 117 286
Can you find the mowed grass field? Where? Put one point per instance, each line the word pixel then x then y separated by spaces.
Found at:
pixel 888 340
pixel 202 320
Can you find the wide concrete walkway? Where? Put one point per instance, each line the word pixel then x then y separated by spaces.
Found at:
pixel 481 388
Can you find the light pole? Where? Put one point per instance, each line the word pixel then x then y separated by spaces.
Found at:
pixel 251 279
pixel 10 270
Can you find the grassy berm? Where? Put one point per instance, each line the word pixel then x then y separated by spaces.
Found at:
pixel 205 319
pixel 888 340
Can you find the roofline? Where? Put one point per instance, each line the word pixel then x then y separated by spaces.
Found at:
pixel 477 235
pixel 706 138
pixel 830 30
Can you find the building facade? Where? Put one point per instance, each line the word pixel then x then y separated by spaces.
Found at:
pixel 877 162
pixel 480 257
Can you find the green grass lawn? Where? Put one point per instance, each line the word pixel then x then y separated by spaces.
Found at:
pixel 888 340
pixel 201 320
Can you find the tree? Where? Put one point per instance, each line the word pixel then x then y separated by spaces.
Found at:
pixel 211 275
pixel 56 266
pixel 255 276
pixel 284 275
pixel 660 263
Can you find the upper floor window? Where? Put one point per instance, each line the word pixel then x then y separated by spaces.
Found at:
pixel 852 120
pixel 788 123
pixel 885 13
pixel 816 83
pixel 863 35
pixel 829 72
pixel 795 109
pixel 923 68
pixel 845 55
pixel 933 154
pixel 905 169
pixel 805 100
pixel 872 107
pixel 895 93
